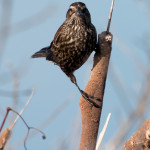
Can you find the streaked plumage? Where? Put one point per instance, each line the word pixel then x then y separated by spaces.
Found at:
pixel 73 42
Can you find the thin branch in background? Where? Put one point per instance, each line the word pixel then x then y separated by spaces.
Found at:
pixel 28 127
pixel 6 93
pixel 129 52
pixel 6 29
pixel 76 133
pixel 102 133
pixel 71 139
pixel 9 130
pixel 47 121
pixel 4 120
pixel 25 106
pixel 121 89
pixel 136 115
pixel 5 77
pixel 33 20
pixel 146 43
pixel 110 16
pixel 145 8
pixel 15 77
pixel 5 24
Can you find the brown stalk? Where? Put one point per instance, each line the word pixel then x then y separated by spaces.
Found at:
pixel 96 86
pixel 139 140
pixel 4 137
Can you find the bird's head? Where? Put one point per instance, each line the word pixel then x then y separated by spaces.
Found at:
pixel 78 10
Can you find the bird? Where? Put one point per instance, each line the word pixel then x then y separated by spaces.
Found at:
pixel 73 43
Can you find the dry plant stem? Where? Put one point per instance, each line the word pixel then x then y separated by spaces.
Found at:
pixel 139 140
pixel 6 13
pixel 136 115
pixel 4 137
pixel 99 141
pixel 29 128
pixel 110 15
pixel 8 109
pixel 95 87
pixel 7 131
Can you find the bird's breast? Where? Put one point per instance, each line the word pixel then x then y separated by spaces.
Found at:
pixel 73 48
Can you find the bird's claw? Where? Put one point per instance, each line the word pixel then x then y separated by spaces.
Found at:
pixel 87 97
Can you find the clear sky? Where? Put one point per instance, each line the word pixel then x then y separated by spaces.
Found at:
pixel 33 25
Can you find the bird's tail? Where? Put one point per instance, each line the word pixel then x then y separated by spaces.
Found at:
pixel 42 53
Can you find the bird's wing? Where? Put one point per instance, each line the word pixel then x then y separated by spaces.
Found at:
pixel 94 36
pixel 61 37
pixel 94 33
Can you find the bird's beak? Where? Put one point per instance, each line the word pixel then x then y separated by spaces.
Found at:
pixel 79 11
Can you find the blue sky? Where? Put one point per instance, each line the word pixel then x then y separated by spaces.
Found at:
pixel 52 88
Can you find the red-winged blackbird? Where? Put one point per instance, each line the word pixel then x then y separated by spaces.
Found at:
pixel 73 43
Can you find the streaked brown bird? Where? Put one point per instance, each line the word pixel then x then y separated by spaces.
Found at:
pixel 73 43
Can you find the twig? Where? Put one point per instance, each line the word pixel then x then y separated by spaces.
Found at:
pixel 12 125
pixel 102 133
pixel 47 121
pixel 6 133
pixel 4 119
pixel 110 16
pixel 2 144
pixel 29 128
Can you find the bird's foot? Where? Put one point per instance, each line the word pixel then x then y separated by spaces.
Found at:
pixel 87 97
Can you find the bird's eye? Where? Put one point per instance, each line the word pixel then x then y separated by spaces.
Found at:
pixel 70 10
pixel 84 10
